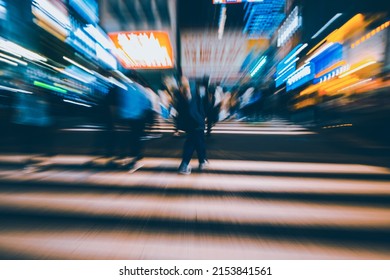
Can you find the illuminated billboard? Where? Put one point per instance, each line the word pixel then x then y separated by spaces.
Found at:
pixel 143 49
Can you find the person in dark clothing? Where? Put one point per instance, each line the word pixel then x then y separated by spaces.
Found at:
pixel 134 108
pixel 105 113
pixel 209 107
pixel 193 117
pixel 181 106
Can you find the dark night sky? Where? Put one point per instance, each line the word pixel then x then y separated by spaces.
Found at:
pixel 317 13
pixel 202 14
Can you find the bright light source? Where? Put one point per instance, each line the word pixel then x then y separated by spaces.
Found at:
pixel 357 68
pixel 76 103
pixel 326 25
pixel 143 49
pixel 288 28
pixel 46 86
pixel 296 53
pixel 321 50
pixel 259 65
pixel 222 21
pixel 78 65
pixel 8 62
pixel 13 59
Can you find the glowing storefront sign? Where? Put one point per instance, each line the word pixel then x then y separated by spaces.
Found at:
pixel 331 74
pixel 288 28
pixel 143 49
pixel 301 76
pixel 325 59
pixel 288 65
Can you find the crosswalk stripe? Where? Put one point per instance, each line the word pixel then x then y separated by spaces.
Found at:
pixel 273 127
pixel 208 209
pixel 274 166
pixel 203 181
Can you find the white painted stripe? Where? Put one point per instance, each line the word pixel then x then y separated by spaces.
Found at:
pixel 282 128
pixel 207 209
pixel 213 132
pixel 204 181
pixel 275 166
pixel 225 165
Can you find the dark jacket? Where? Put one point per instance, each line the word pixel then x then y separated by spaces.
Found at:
pixel 191 113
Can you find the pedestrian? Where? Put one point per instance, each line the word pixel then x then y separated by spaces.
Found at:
pixel 33 122
pixel 134 110
pixel 105 114
pixel 193 117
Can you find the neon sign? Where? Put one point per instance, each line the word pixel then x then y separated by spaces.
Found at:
pixel 300 76
pixel 290 25
pixel 143 49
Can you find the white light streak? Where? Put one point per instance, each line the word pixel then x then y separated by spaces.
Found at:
pixel 117 83
pixel 285 69
pixel 8 62
pixel 326 25
pixel 357 69
pixel 74 76
pixel 128 80
pixel 259 65
pixel 356 84
pixel 19 51
pixel 222 21
pixel 78 65
pixel 318 52
pixel 13 59
pixel 106 57
pixel 296 53
pixel 76 103
pixel 15 89
pixel 100 37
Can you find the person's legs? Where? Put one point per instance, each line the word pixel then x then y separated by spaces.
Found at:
pixel 137 130
pixel 209 123
pixel 188 150
pixel 200 146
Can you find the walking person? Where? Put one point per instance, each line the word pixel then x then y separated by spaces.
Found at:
pixel 193 117
pixel 134 109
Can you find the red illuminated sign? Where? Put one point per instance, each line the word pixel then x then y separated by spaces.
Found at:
pixel 143 49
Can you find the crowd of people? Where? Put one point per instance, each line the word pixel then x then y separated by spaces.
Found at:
pixel 194 106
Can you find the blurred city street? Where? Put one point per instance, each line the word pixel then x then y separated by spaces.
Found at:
pixel 273 190
pixel 195 130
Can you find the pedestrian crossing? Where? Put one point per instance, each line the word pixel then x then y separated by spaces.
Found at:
pixel 237 209
pixel 270 127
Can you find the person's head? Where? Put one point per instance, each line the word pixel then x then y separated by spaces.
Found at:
pixel 185 87
pixel 185 82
